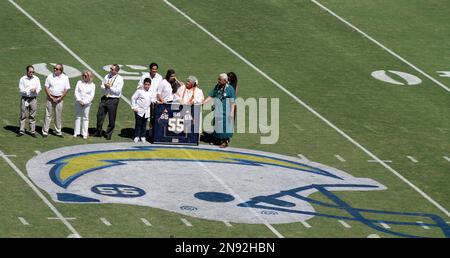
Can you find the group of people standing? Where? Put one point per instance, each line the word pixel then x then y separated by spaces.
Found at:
pixel 152 88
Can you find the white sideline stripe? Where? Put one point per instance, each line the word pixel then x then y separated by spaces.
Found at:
pixel 227 223
pixel 381 45
pixel 423 225
pixel 344 224
pixel 38 193
pixel 306 224
pixel 302 157
pixel 384 225
pixel 11 156
pixel 37 152
pixel 146 222
pixel 312 110
pixel 374 160
pixel 412 159
pixel 339 158
pixel 105 221
pixel 23 221
pixel 233 193
pixel 447 158
pixel 62 45
pixel 185 222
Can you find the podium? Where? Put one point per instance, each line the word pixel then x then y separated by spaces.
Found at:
pixel 176 124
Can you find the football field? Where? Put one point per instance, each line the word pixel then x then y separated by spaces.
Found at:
pixel 363 89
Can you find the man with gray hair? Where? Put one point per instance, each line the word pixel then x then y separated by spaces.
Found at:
pixel 190 93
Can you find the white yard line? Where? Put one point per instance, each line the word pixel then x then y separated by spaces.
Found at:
pixel 62 45
pixel 306 224
pixel 146 222
pixel 38 193
pixel 412 159
pixel 382 46
pixel 233 193
pixel 23 221
pixel 369 153
pixel 105 221
pixel 447 158
pixel 344 224
pixel 339 158
pixel 186 222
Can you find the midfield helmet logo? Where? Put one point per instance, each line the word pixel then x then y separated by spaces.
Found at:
pixel 234 185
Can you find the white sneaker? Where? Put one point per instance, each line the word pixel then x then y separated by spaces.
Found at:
pixel 136 139
pixel 143 139
pixel 85 137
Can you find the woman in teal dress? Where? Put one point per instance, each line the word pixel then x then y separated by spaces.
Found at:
pixel 224 105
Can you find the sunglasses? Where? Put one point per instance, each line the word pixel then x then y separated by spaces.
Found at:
pixel 57 69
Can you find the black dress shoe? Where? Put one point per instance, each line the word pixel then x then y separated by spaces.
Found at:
pixel 60 135
pixel 33 135
pixel 108 137
pixel 19 134
pixel 97 134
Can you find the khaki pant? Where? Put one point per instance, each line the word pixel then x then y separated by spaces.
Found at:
pixel 49 107
pixel 28 108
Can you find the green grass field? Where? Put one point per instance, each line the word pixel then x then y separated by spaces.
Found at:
pixel 312 54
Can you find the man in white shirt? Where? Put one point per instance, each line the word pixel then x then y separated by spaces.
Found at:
pixel 56 87
pixel 190 93
pixel 29 87
pixel 153 75
pixel 140 104
pixel 112 86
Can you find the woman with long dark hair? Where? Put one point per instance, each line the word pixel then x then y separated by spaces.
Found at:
pixel 168 87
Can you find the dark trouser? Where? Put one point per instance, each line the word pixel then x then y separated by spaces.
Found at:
pixel 140 126
pixel 107 106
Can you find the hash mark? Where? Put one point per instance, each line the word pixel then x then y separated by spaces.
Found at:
pixel 344 224
pixel 303 157
pixel 412 159
pixel 146 222
pixel 105 221
pixel 187 223
pixel 227 223
pixel 384 225
pixel 24 222
pixel 340 158
pixel 306 224
pixel 423 225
